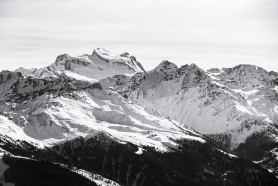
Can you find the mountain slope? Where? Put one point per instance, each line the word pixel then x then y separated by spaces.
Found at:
pixel 121 126
pixel 229 105
pixel 52 110
pixel 27 172
pixel 60 110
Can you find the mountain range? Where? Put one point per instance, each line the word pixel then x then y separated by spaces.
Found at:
pixel 107 121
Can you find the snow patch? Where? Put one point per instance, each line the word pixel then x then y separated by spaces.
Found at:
pixel 79 77
pixel 140 151
pixel 98 179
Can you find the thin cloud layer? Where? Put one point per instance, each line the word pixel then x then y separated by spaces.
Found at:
pixel 213 33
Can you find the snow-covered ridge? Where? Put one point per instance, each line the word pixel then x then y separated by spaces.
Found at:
pixel 37 73
pixel 101 64
pixel 48 111
pixel 212 102
pixel 166 67
pixel 122 59
pixel 246 76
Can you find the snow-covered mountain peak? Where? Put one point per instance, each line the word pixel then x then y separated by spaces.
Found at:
pixel 37 73
pixel 101 64
pixel 125 54
pixel 6 75
pixel 272 73
pixel 214 70
pixel 189 66
pixel 164 80
pixel 243 76
pixel 191 75
pixel 8 78
pixel 121 60
pixel 102 51
pixel 244 67
pixel 166 67
pixel 193 65
pixel 68 62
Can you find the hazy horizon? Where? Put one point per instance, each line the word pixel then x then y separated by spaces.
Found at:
pixel 211 34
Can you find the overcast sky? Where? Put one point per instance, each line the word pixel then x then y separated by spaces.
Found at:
pixel 209 33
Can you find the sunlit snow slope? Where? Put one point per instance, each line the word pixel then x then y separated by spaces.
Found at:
pixel 238 101
pixel 53 110
pixel 99 65
pixel 230 105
